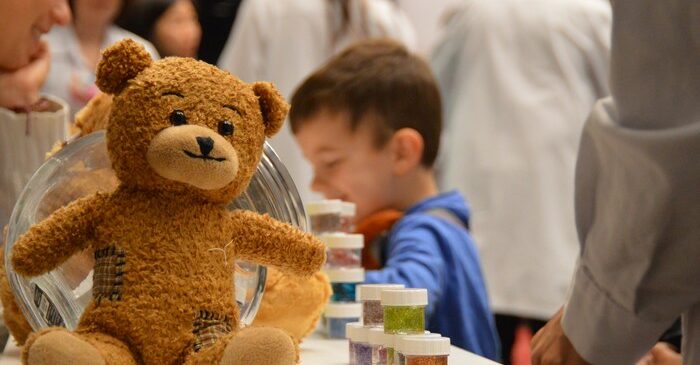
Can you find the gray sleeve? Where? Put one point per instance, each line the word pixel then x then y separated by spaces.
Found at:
pixel 637 196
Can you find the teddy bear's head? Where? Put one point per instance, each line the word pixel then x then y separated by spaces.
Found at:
pixel 183 125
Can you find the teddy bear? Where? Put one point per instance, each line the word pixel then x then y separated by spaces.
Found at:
pixel 184 139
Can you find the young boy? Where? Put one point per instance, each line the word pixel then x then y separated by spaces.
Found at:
pixel 369 122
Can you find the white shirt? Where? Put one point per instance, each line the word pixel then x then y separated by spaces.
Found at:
pixel 284 41
pixel 518 80
pixel 638 190
pixel 70 78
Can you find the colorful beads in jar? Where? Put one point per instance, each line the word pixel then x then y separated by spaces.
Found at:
pixel 338 315
pixel 423 350
pixel 324 215
pixel 343 249
pixel 370 297
pixel 347 217
pixel 351 334
pixel 344 283
pixel 404 310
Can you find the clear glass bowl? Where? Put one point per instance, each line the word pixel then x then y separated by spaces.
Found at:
pixel 82 167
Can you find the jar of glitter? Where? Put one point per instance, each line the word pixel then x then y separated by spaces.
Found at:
pixel 370 297
pixel 423 350
pixel 351 334
pixel 361 349
pixel 394 357
pixel 347 217
pixel 324 215
pixel 376 340
pixel 404 310
pixel 338 315
pixel 344 283
pixel 343 249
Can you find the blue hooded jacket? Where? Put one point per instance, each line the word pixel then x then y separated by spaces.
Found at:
pixel 428 251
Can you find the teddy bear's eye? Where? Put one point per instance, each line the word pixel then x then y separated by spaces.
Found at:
pixel 225 128
pixel 178 117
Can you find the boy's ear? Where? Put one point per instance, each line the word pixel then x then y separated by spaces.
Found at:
pixel 407 147
pixel 121 63
pixel 272 106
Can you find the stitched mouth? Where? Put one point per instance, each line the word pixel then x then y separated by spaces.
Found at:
pixel 192 155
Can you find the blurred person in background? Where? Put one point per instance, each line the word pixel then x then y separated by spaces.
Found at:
pixel 171 26
pixel 284 41
pixel 29 124
pixel 518 80
pixel 216 18
pixel 76 50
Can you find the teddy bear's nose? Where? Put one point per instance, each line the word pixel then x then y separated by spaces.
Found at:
pixel 206 144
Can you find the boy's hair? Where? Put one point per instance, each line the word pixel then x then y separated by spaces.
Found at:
pixel 378 81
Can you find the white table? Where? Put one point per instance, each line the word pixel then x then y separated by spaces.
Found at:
pixel 314 351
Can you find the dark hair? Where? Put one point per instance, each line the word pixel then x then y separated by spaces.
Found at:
pixel 375 78
pixel 140 17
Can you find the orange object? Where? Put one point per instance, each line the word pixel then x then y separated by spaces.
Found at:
pixel 375 228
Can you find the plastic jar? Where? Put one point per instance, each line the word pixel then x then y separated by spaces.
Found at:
pixel 375 337
pixel 370 297
pixel 324 215
pixel 351 332
pixel 344 283
pixel 343 249
pixel 347 217
pixel 361 349
pixel 338 315
pixel 404 310
pixel 423 350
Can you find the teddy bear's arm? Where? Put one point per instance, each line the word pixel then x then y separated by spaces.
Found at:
pixel 261 239
pixel 52 241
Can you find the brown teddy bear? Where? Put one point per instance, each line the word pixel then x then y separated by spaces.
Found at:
pixel 184 139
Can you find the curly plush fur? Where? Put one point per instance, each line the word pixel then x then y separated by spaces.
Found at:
pixel 164 243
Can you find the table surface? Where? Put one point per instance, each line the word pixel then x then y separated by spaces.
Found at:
pixel 314 351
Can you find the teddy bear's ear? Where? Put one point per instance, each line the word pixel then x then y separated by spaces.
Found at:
pixel 272 106
pixel 121 63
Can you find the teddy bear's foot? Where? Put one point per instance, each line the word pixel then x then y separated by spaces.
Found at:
pixel 260 346
pixel 57 346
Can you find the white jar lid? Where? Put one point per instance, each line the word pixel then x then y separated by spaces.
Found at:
pixel 374 291
pixel 324 207
pixel 343 240
pixel 355 332
pixel 343 310
pixel 348 209
pixel 392 340
pixel 346 275
pixel 424 346
pixel 375 336
pixel 404 297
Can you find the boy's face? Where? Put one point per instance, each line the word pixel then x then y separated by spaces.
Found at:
pixel 347 164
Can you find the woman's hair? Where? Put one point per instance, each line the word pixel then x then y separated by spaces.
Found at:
pixel 140 17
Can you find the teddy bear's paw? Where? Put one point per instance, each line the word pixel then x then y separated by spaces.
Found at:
pixel 62 348
pixel 260 346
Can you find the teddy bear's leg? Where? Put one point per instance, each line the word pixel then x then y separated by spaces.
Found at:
pixel 58 346
pixel 250 346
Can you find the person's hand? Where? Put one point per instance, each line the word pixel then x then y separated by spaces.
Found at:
pixel 19 89
pixel 550 346
pixel 661 354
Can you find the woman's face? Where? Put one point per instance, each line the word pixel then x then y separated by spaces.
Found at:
pixel 97 11
pixel 177 31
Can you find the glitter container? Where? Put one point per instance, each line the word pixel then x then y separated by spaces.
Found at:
pixel 423 350
pixel 394 357
pixel 343 249
pixel 361 351
pixel 344 282
pixel 376 340
pixel 338 315
pixel 347 217
pixel 351 332
pixel 324 215
pixel 370 297
pixel 404 310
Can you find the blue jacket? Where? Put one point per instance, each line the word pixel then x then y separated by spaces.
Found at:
pixel 428 251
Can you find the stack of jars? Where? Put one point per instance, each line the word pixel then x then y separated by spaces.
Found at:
pixel 392 331
pixel 332 223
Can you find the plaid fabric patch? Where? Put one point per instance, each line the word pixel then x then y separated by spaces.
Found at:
pixel 108 275
pixel 208 328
